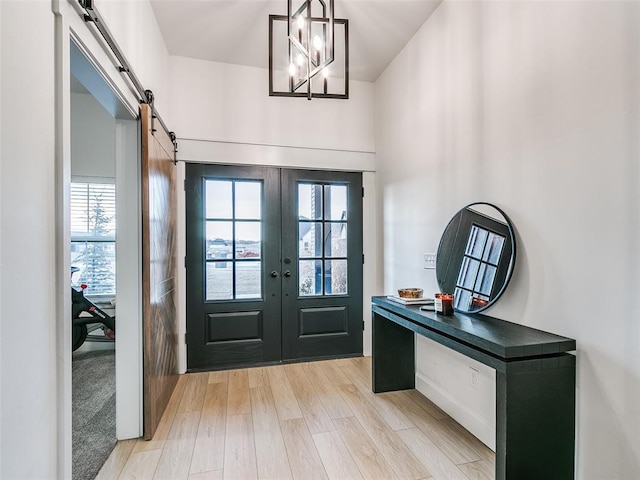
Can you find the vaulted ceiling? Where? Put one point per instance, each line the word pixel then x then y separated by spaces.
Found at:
pixel 236 31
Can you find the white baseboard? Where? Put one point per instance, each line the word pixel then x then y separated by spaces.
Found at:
pixel 482 428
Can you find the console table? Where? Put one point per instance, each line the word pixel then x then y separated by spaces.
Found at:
pixel 535 380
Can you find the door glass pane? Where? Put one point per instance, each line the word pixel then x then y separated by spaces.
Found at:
pixel 248 240
pixel 309 201
pixel 249 200
pixel 335 202
pixel 335 239
pixel 219 282
pixel 322 240
pixel 335 277
pixel 310 239
pixel 310 277
pixel 219 240
pixel 218 198
pixel 233 239
pixel 248 279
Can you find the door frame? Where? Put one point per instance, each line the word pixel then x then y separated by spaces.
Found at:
pixel 71 27
pixel 268 324
pixel 286 157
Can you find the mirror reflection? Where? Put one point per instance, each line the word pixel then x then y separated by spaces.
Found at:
pixel 476 256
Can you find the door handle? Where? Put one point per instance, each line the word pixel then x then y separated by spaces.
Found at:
pixel 274 274
pixel 287 273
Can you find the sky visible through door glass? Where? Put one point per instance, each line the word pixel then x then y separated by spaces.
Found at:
pixel 233 273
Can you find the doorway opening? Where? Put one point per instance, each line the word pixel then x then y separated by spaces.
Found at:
pixel 103 199
pixel 274 265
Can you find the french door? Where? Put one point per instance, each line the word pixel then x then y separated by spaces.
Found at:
pixel 274 265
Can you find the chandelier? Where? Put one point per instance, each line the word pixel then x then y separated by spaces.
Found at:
pixel 309 52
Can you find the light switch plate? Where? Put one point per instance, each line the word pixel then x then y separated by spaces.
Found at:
pixel 430 260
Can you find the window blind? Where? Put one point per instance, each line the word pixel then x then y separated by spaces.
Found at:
pixel 93 229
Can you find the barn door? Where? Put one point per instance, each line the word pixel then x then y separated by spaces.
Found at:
pixel 160 327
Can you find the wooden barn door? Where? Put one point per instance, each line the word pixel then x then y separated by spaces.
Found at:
pixel 160 326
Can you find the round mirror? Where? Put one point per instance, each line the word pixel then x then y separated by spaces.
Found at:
pixel 476 256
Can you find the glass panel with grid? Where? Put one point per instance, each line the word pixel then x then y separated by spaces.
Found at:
pixel 322 239
pixel 93 229
pixel 233 239
pixel 479 267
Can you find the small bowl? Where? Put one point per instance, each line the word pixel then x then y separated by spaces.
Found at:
pixel 410 293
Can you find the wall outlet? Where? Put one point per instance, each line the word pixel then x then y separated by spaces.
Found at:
pixel 474 378
pixel 430 260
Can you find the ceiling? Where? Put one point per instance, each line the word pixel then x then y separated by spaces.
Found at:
pixel 236 31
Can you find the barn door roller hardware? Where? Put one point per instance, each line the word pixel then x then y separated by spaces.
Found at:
pixel 92 15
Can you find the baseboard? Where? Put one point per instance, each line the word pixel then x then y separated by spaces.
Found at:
pixel 481 428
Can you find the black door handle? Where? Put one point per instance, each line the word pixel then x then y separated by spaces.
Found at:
pixel 274 274
pixel 287 273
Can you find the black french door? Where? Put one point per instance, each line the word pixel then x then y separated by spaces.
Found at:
pixel 274 265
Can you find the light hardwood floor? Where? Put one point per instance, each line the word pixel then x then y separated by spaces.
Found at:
pixel 300 421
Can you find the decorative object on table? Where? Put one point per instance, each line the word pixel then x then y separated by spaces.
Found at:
pixel 443 303
pixel 309 51
pixel 410 292
pixel 476 256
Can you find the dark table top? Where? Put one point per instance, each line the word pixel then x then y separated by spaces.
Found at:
pixel 504 339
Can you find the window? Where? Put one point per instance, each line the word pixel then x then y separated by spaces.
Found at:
pixel 322 239
pixel 233 228
pixel 93 240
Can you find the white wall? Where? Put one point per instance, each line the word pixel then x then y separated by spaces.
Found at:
pixel 533 106
pixel 27 247
pixel 133 24
pixel 231 103
pixel 93 139
pixel 35 151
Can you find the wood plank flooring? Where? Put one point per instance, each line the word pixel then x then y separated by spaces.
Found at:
pixel 300 421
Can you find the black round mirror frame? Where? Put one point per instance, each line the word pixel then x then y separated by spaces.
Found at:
pixel 476 257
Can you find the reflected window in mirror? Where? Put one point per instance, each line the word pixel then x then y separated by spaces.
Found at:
pixel 478 270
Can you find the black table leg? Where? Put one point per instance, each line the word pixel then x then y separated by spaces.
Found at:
pixel 535 421
pixel 393 356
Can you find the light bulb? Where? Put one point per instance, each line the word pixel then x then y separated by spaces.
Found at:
pixel 317 43
pixel 292 70
pixel 325 72
pixel 300 22
pixel 300 60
